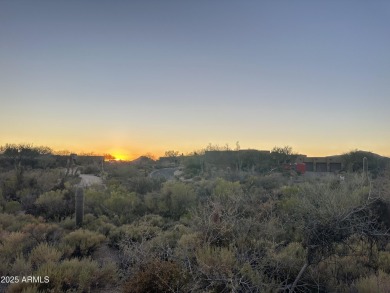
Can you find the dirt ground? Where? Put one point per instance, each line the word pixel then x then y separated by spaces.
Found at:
pixel 88 180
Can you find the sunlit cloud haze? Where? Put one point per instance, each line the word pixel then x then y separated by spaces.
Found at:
pixel 134 77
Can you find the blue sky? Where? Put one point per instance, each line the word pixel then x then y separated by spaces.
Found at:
pixel 148 76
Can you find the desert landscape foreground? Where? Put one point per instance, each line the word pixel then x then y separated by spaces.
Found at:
pixel 222 221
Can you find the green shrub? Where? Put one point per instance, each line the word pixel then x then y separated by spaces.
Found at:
pixel 384 261
pixel 101 224
pixel 143 185
pixel 68 223
pixel 72 275
pixel 2 200
pixel 165 242
pixel 43 232
pixel 139 231
pixel 289 259
pixel 151 201
pixel 83 242
pixel 157 276
pixel 216 261
pixel 21 267
pixel 153 220
pixel 123 204
pixel 187 245
pixel 379 282
pixel 115 237
pixel 27 199
pixel 6 220
pixel 44 253
pixel 13 223
pixel 12 207
pixel 9 185
pixel 121 171
pixel 15 243
pixel 288 191
pixel 193 166
pixel 343 270
pixel 176 199
pixel 47 179
pixel 91 169
pixel 217 267
pixel 53 205
pixel 224 190
pixel 89 219
pixel 272 181
pixel 93 201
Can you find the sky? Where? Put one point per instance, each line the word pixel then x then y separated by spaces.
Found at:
pixel 136 77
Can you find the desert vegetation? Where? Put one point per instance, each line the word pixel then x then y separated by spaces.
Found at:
pixel 244 225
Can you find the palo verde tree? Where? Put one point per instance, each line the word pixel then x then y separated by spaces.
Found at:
pixel 173 156
pixel 22 155
pixel 280 155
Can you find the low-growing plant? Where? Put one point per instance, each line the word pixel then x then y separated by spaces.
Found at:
pixel 12 207
pixel 157 276
pixel 288 260
pixel 379 282
pixel 83 242
pixel 384 261
pixel 224 190
pixel 175 200
pixel 79 208
pixel 93 201
pixel 122 204
pixel 43 232
pixel 217 267
pixel 54 205
pixel 44 253
pixel 15 243
pixel 13 223
pixel 74 275
pixel 21 267
pixel 68 223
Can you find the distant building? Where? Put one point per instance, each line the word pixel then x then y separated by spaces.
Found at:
pixel 322 164
pixel 168 162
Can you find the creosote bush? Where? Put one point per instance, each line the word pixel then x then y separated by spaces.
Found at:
pixel 13 244
pixel 175 200
pixel 379 282
pixel 43 232
pixel 21 266
pixel 14 223
pixel 82 242
pixel 73 275
pixel 157 276
pixel 43 253
pixel 54 205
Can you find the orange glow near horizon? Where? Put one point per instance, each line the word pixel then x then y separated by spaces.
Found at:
pixel 121 157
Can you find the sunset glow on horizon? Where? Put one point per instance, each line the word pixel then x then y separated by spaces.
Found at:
pixel 122 157
pixel 131 78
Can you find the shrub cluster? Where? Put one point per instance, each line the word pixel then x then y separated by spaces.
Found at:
pixel 246 232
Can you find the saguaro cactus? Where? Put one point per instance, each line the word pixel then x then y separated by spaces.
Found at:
pixel 79 199
pixel 365 166
pixel 365 171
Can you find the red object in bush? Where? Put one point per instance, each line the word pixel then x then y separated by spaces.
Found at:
pixel 300 168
